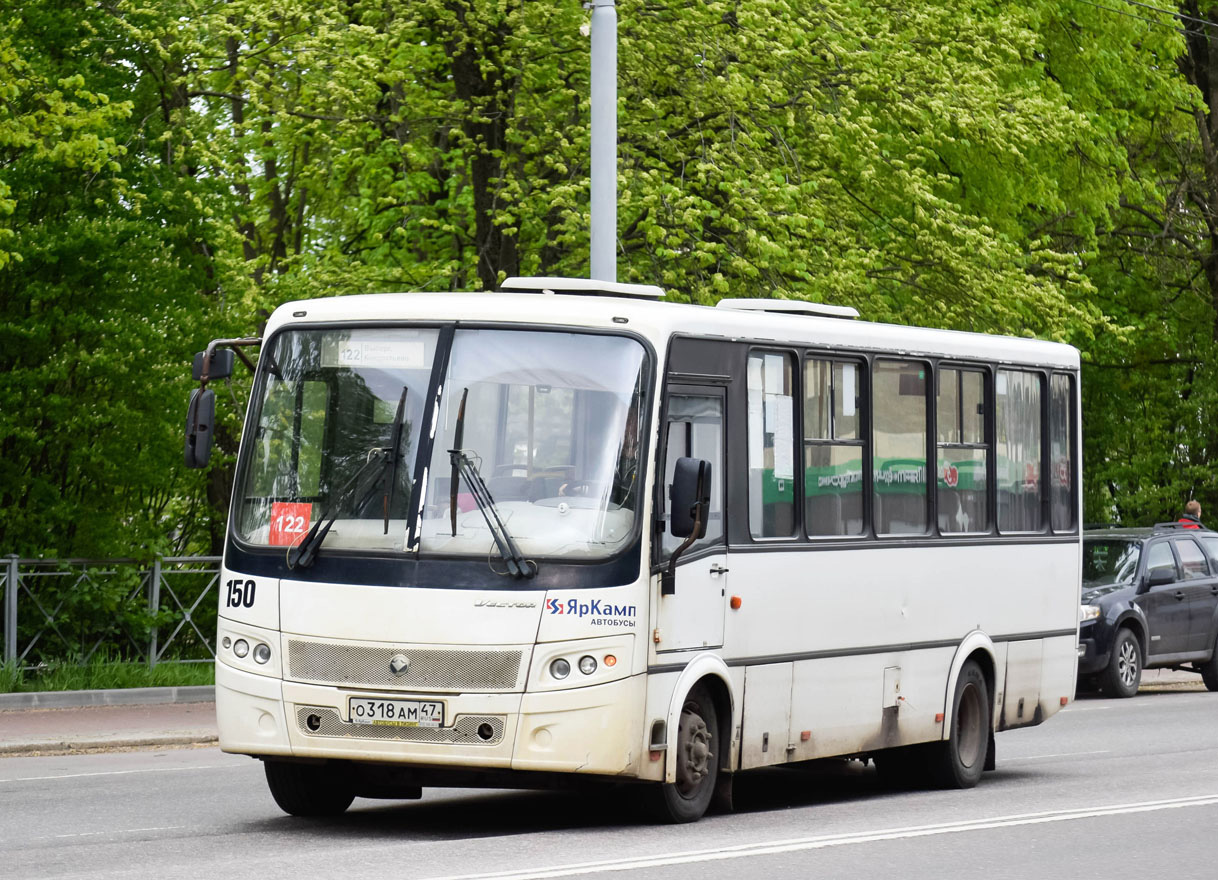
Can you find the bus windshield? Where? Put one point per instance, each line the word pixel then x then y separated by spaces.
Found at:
pixel 548 422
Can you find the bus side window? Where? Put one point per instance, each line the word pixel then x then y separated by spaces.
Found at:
pixel 899 434
pixel 771 426
pixel 961 469
pixel 1020 482
pixel 833 448
pixel 695 430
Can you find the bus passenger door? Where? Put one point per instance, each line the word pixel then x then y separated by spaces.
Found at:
pixel 693 616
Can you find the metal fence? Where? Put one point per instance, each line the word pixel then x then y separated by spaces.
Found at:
pixel 69 610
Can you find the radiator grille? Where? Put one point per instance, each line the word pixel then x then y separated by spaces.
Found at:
pixel 465 730
pixel 431 669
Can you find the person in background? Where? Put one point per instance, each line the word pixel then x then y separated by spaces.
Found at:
pixel 1192 516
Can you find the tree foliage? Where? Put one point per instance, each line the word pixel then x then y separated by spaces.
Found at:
pixel 172 169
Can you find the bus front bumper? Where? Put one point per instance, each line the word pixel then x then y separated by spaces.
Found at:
pixel 596 729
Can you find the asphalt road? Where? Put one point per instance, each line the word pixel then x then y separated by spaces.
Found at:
pixel 1107 789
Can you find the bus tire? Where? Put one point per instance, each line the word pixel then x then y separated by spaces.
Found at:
pixel 1124 672
pixel 308 789
pixel 961 758
pixel 697 752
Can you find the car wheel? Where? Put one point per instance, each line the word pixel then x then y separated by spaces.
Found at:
pixel 960 758
pixel 308 789
pixel 1124 672
pixel 1209 670
pixel 697 748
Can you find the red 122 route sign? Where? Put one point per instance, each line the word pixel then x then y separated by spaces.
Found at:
pixel 289 522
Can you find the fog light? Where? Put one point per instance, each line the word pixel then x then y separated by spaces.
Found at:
pixel 241 647
pixel 587 665
pixel 560 668
pixel 262 653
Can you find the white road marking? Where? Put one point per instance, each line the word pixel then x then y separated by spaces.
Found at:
pixel 115 773
pixel 777 847
pixel 1057 755
pixel 107 833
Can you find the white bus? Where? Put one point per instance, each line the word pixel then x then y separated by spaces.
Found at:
pixel 567 531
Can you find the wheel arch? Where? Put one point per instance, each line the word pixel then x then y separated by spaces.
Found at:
pixel 709 671
pixel 979 647
pixel 1133 622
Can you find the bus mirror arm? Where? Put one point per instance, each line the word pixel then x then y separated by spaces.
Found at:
pixel 690 496
pixel 213 363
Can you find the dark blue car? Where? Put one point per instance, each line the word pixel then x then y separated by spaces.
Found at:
pixel 1149 600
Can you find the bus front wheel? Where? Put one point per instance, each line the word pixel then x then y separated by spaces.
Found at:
pixel 309 789
pixel 961 757
pixel 697 746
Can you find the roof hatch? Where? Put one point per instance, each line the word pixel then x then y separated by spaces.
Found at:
pixel 581 287
pixel 790 307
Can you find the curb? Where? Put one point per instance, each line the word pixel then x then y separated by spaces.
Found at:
pixel 118 697
pixel 71 747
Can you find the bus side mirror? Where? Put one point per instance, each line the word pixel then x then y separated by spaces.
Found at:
pixel 220 366
pixel 200 419
pixel 690 502
pixel 690 498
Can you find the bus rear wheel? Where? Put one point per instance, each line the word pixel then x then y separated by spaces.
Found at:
pixel 960 758
pixel 309 789
pixel 697 745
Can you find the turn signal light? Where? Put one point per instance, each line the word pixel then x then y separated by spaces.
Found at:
pixel 610 660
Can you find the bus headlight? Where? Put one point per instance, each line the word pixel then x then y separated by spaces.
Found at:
pixel 262 653
pixel 560 668
pixel 241 647
pixel 587 664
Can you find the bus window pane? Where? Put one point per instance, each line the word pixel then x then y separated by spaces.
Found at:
pixel 833 484
pixel 1018 448
pixel 818 400
pixel 899 397
pixel 948 410
pixel 1062 478
pixel 972 410
pixel 771 446
pixel 845 401
pixel 962 490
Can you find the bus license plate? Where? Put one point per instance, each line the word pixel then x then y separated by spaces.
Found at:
pixel 399 713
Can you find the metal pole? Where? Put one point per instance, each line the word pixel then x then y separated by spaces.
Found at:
pixel 154 606
pixel 604 141
pixel 10 612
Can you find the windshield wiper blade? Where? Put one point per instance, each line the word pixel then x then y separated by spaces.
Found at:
pixel 395 450
pixel 306 551
pixel 517 565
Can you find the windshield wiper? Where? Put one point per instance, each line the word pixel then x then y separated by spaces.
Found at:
pixel 463 467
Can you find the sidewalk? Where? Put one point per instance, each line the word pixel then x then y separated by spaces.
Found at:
pixel 91 720
pixel 80 721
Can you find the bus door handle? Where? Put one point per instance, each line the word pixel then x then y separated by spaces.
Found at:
pixel 718 569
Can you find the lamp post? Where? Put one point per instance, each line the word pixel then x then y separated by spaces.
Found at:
pixel 603 243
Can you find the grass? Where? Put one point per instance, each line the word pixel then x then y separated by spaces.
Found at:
pixel 102 673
